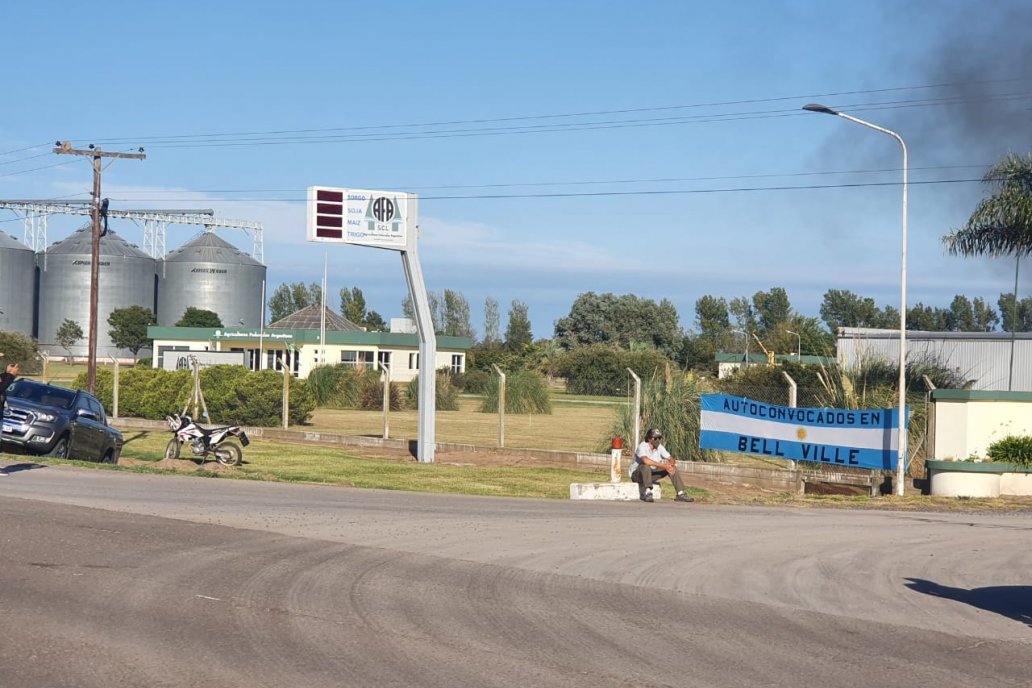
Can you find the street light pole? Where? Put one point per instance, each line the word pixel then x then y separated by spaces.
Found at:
pixel 799 344
pixel 902 434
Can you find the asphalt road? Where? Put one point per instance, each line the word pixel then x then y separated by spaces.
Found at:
pixel 112 579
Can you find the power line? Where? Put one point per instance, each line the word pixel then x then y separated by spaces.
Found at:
pixel 599 182
pixel 35 169
pixel 270 137
pixel 259 140
pixel 576 194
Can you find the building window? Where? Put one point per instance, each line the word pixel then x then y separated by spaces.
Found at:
pixel 384 357
pixel 456 363
pixel 357 359
pixel 413 361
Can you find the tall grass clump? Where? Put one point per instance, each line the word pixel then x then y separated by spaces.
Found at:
pixel 526 391
pixel 670 402
pixel 446 394
pixel 341 386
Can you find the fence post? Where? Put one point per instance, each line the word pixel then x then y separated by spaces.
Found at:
pixel 286 392
pixel 637 409
pixel 501 405
pixel 114 390
pixel 793 391
pixel 386 397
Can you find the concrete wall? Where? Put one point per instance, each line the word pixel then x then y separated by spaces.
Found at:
pixel 964 423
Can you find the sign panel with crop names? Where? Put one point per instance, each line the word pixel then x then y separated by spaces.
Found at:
pixel 359 216
pixel 861 438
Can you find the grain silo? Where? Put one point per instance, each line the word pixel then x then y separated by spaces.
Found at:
pixel 127 277
pixel 211 274
pixel 17 285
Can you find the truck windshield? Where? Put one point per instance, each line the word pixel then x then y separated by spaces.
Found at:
pixel 41 394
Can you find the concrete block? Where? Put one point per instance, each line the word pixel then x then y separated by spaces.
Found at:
pixel 623 491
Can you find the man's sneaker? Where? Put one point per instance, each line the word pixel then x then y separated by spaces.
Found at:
pixel 684 498
pixel 647 497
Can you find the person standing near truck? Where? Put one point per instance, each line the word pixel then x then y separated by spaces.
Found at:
pixel 6 378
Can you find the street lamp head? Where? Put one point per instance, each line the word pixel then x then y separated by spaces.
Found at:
pixel 817 107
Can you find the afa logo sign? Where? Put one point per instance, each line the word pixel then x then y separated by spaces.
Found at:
pixel 383 216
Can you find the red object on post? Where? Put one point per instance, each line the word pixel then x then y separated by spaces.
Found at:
pixel 617 443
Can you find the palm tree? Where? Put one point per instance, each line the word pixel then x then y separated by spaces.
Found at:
pixel 1002 223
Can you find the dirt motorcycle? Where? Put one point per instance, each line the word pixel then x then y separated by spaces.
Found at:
pixel 225 444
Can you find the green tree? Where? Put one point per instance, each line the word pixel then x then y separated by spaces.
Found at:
pixel 491 322
pixel 518 334
pixel 374 322
pixel 961 315
pixel 771 308
pixel 745 317
pixel 711 316
pixel 353 305
pixel 455 314
pixel 843 308
pixel 1017 316
pixel 928 318
pixel 290 298
pixel 129 327
pixel 68 333
pixel 986 318
pixel 434 300
pixel 622 321
pixel 199 317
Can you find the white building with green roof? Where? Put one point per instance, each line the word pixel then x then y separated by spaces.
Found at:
pixel 295 342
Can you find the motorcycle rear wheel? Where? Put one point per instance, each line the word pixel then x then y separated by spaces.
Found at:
pixel 229 453
pixel 172 449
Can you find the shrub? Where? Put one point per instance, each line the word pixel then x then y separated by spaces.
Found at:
pixel 371 396
pixel 447 395
pixel 526 391
pixel 233 394
pixel 473 381
pixel 1015 449
pixel 18 348
pixel 670 402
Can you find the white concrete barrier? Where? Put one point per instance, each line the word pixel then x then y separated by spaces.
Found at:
pixel 610 491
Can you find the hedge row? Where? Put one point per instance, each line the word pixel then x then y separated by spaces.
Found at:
pixel 234 395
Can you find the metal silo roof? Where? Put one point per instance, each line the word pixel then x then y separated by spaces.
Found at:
pixel 209 248
pixel 8 241
pixel 81 243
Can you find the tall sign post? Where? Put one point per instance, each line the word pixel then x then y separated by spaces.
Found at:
pixel 387 220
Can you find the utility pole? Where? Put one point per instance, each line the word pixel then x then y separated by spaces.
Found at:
pixel 65 148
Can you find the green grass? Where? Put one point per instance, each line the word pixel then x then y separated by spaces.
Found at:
pixel 288 462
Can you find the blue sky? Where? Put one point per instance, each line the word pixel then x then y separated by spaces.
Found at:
pixel 654 148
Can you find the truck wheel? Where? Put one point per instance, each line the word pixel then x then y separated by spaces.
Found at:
pixel 109 457
pixel 229 453
pixel 60 450
pixel 172 449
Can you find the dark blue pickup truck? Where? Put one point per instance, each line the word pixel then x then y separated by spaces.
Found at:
pixel 59 422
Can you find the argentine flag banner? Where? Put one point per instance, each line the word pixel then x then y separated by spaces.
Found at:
pixel 862 438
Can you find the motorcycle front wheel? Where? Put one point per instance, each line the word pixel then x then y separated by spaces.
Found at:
pixel 229 453
pixel 172 449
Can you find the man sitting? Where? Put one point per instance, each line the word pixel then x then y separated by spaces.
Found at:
pixel 652 461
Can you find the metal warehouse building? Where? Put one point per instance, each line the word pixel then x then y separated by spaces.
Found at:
pixel 998 361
